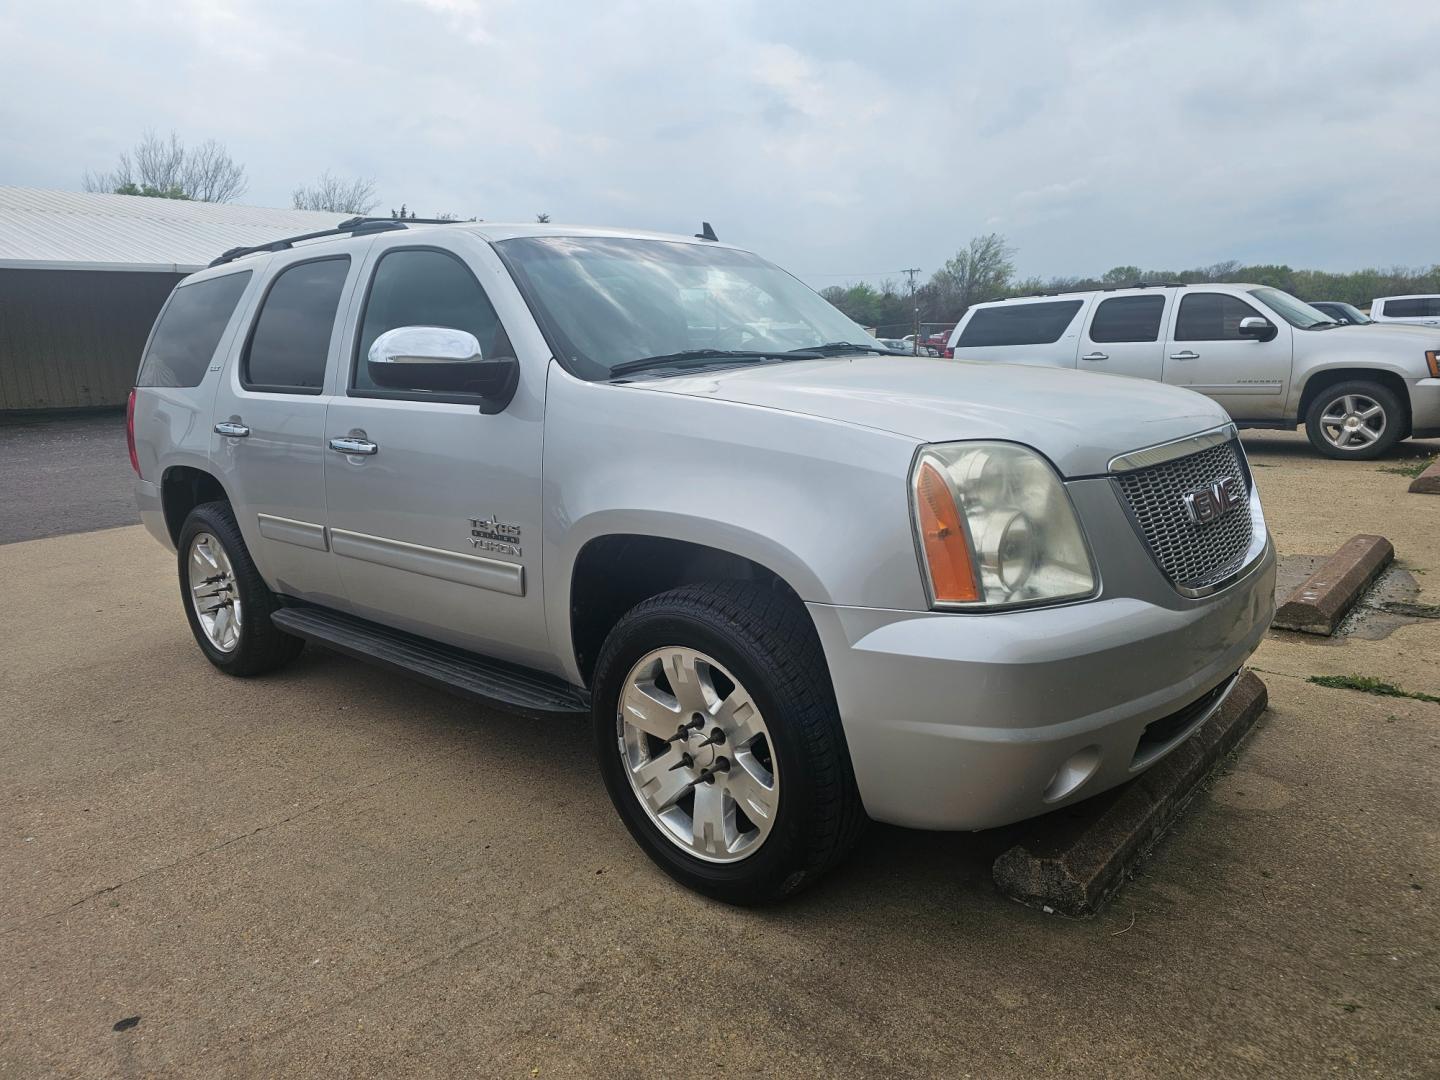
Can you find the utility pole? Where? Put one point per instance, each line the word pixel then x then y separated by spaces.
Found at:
pixel 915 344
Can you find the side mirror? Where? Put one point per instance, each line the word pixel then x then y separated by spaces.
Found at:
pixel 1257 328
pixel 440 360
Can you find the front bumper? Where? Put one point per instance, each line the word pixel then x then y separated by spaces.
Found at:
pixel 971 721
pixel 1425 408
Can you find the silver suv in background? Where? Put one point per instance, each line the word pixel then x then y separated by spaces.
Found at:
pixel 793 579
pixel 1270 360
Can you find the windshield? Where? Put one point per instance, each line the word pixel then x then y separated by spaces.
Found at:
pixel 1354 314
pixel 605 301
pixel 1296 312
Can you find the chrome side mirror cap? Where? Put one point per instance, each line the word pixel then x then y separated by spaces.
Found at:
pixel 1257 328
pixel 441 362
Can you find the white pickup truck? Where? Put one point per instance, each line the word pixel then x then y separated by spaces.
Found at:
pixel 1271 360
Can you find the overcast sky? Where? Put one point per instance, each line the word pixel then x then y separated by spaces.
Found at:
pixel 843 139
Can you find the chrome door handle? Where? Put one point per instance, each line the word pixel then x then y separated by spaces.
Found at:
pixel 1095 356
pixel 234 431
pixel 348 444
pixel 1186 355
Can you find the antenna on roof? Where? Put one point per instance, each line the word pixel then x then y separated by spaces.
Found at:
pixel 706 232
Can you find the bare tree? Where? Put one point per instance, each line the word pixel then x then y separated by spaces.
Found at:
pixel 542 218
pixel 337 195
pixel 980 272
pixel 163 167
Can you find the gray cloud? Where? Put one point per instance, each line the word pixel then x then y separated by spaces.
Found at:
pixel 839 138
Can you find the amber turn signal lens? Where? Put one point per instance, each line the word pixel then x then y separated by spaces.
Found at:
pixel 1432 359
pixel 947 552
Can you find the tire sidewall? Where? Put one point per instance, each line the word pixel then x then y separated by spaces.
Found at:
pixel 764 874
pixel 1383 396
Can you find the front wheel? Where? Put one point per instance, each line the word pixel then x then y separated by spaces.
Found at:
pixel 1357 420
pixel 720 742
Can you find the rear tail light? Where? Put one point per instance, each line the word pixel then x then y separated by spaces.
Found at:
pixel 130 432
pixel 949 354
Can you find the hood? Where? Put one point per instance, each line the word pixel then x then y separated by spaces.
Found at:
pixel 1408 334
pixel 1077 419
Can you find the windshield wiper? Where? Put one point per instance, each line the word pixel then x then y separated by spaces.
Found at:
pixel 836 348
pixel 699 358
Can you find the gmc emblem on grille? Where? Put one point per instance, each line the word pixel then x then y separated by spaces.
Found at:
pixel 1208 504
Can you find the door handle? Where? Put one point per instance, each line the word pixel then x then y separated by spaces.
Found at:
pixel 1095 356
pixel 349 444
pixel 231 429
pixel 1186 355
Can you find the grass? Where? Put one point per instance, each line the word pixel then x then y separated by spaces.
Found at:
pixel 1412 469
pixel 1368 685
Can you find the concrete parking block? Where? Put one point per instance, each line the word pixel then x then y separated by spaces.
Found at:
pixel 1319 604
pixel 1428 482
pixel 1071 862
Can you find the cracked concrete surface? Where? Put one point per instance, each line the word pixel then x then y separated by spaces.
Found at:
pixel 332 871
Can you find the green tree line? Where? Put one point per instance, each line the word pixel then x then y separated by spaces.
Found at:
pixel 985 270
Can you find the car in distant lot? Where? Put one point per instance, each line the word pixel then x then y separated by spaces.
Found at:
pixel 895 344
pixel 1416 310
pixel 940 342
pixel 1342 312
pixel 792 585
pixel 923 350
pixel 1271 360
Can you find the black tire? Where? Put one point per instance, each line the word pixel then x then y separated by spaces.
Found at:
pixel 261 647
pixel 1394 418
pixel 766 639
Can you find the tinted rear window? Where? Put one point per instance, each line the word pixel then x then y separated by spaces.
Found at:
pixel 1018 324
pixel 189 329
pixel 291 339
pixel 1416 307
pixel 1128 318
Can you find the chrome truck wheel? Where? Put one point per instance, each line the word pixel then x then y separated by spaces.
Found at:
pixel 698 754
pixel 720 742
pixel 214 593
pixel 1356 419
pixel 1352 421
pixel 227 602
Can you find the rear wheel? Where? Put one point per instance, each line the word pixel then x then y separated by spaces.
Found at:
pixel 1358 420
pixel 720 742
pixel 226 601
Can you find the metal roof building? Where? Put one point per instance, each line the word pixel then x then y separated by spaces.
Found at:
pixel 82 277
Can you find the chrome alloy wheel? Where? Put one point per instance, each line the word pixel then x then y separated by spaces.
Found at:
pixel 1352 422
pixel 698 754
pixel 214 594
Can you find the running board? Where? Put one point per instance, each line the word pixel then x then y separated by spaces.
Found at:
pixel 492 682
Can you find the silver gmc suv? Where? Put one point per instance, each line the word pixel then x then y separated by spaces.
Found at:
pixel 795 580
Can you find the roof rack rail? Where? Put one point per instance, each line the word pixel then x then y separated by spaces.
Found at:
pixel 355 226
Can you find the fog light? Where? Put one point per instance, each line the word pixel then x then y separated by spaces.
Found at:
pixel 1078 768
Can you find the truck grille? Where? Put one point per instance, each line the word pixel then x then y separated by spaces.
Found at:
pixel 1193 556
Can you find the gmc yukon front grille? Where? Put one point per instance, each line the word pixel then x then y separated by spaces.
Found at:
pixel 1192 555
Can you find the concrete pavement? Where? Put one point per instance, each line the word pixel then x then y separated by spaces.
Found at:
pixel 335 872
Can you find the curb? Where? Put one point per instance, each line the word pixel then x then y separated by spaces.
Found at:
pixel 1322 600
pixel 1428 482
pixel 1104 839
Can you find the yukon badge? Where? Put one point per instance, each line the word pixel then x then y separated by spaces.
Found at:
pixel 495 536
pixel 1208 504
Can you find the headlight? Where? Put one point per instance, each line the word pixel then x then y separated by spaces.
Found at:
pixel 996 527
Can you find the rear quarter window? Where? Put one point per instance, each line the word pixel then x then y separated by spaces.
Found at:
pixel 189 329
pixel 1018 324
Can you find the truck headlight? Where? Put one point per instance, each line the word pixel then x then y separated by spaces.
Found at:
pixel 996 528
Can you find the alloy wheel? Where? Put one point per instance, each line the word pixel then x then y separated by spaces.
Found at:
pixel 214 594
pixel 1352 422
pixel 698 754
